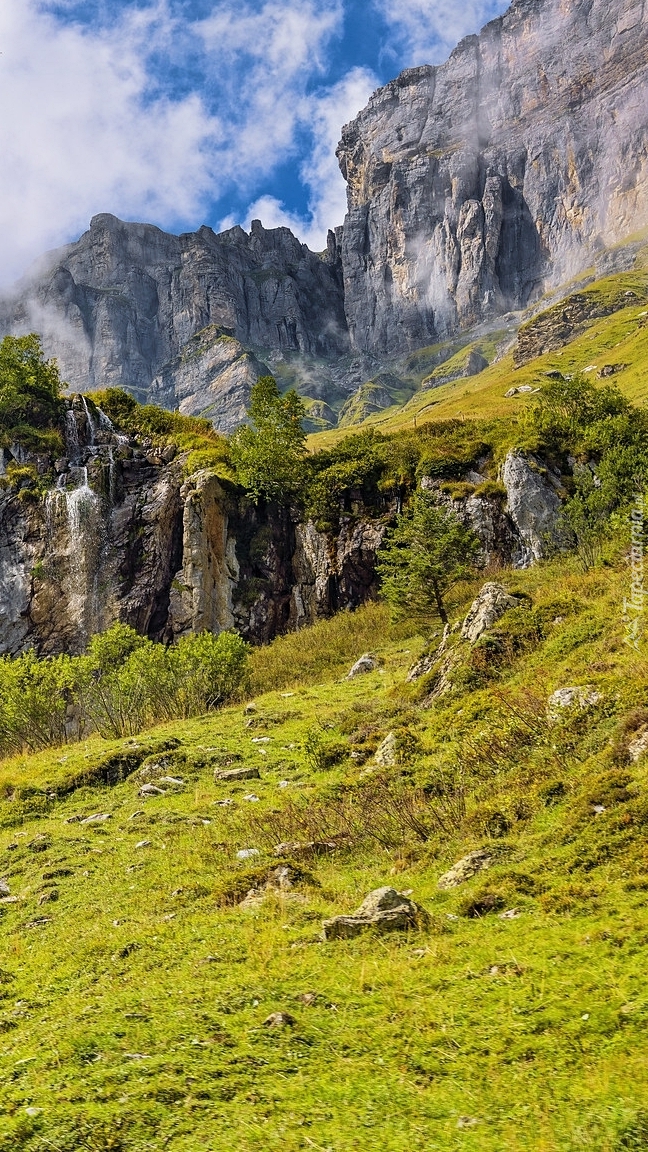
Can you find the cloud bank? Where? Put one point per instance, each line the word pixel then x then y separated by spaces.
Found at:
pixel 179 112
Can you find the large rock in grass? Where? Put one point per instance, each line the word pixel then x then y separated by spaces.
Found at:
pixel 493 601
pixel 384 909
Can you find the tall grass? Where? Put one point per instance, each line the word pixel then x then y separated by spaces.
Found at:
pixel 321 652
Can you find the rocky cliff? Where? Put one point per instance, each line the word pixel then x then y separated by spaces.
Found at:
pixel 475 186
pixel 124 306
pixel 126 535
pixel 472 189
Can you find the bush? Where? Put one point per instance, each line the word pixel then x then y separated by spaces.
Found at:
pixel 123 684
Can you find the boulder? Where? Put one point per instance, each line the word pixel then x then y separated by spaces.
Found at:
pixel 384 909
pixel 491 603
pixel 465 868
pixel 573 697
pixel 236 774
pixel 366 663
pixel 386 754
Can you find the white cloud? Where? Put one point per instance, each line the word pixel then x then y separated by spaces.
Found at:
pixel 80 132
pixel 90 125
pixel 425 31
pixel 325 112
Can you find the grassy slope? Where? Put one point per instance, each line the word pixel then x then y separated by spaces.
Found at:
pixel 618 339
pixel 132 1006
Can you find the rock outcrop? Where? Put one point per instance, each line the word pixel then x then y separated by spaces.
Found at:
pixel 475 186
pixel 121 308
pixel 125 535
pixel 533 504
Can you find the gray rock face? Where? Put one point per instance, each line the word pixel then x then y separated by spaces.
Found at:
pixel 212 377
pixel 475 186
pixel 127 537
pixel 119 306
pixel 533 505
pixel 493 601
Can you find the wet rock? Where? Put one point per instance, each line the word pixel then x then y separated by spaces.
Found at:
pixel 491 603
pixel 231 774
pixel 384 909
pixel 465 868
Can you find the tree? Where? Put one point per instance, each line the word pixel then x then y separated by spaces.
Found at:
pixel 269 455
pixel 30 388
pixel 427 552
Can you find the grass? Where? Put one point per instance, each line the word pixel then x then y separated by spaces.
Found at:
pixel 620 339
pixel 132 1004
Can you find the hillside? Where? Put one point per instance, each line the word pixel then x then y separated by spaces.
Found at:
pixel 138 978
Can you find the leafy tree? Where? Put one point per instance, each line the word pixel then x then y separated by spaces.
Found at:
pixel 269 456
pixel 427 552
pixel 30 389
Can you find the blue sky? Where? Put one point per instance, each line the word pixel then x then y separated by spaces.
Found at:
pixel 183 112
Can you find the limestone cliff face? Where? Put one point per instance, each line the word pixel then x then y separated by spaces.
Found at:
pixel 126 535
pixel 124 301
pixel 474 186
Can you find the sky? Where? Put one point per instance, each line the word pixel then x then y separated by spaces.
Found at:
pixel 188 112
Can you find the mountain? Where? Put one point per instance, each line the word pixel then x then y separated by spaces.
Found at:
pixel 473 189
pixel 477 186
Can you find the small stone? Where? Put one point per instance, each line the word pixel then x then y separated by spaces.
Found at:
pixel 468 866
pixel 97 818
pixel 9 899
pixel 308 998
pixel 5 890
pixel 252 798
pixel 510 914
pixel 143 844
pixel 260 739
pixel 237 774
pixel 247 853
pixel 140 812
pixel 511 392
pixel 638 745
pixel 223 803
pixel 174 781
pixel 279 1020
pixel 151 790
pixel 598 809
pixel 366 663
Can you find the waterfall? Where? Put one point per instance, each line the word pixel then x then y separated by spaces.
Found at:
pixel 105 423
pixel 92 430
pixel 76 516
pixel 72 445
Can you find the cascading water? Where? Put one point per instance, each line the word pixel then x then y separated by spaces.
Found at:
pixel 72 443
pixel 92 430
